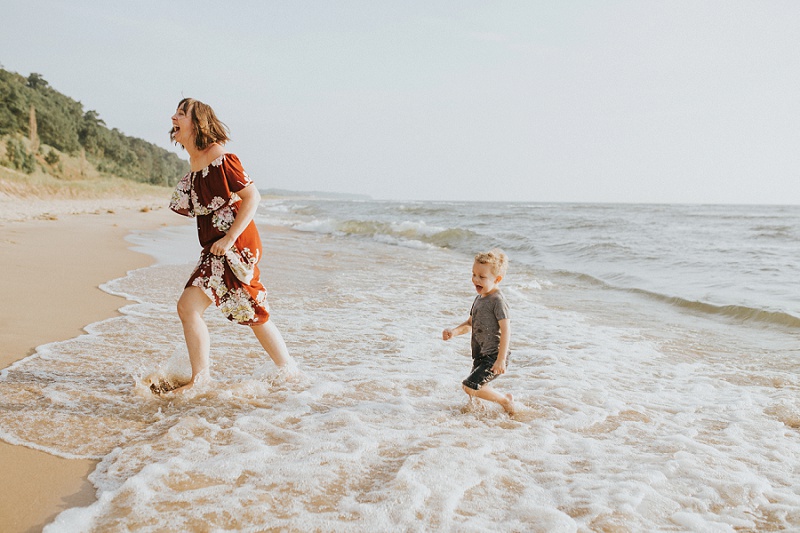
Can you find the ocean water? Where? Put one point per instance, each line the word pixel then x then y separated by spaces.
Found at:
pixel 654 365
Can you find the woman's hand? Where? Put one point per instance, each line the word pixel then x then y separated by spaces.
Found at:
pixel 247 210
pixel 222 245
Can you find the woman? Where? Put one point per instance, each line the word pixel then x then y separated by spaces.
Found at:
pixel 224 199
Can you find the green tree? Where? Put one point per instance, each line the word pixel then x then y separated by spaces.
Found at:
pixel 36 81
pixel 89 131
pixel 52 158
pixel 17 156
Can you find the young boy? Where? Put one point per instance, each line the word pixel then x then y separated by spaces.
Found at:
pixel 491 329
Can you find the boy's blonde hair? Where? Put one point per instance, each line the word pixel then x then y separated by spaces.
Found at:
pixel 496 258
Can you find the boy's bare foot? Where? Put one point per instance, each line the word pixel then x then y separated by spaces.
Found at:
pixel 508 405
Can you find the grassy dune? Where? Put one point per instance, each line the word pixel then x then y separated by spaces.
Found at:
pixel 71 186
pixel 72 177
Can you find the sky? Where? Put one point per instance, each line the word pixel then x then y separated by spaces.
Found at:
pixel 537 101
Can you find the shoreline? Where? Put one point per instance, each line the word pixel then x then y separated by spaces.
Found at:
pixel 57 254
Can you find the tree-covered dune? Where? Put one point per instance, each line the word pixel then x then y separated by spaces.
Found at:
pixel 42 129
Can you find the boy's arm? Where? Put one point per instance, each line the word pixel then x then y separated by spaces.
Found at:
pixel 499 366
pixel 464 327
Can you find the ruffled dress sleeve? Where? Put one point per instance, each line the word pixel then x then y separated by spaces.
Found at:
pixel 235 176
pixel 203 192
pixel 181 201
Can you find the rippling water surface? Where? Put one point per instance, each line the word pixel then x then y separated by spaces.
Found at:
pixel 655 355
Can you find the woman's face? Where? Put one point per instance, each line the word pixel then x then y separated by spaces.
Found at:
pixel 182 128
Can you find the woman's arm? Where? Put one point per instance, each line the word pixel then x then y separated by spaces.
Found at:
pixel 247 210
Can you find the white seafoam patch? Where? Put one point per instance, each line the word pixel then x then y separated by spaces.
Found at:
pixel 614 432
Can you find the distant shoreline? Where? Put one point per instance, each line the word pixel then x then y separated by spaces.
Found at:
pixel 314 195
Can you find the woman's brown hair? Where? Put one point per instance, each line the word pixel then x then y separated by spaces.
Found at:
pixel 208 128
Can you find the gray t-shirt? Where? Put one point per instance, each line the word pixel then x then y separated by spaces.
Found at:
pixel 487 312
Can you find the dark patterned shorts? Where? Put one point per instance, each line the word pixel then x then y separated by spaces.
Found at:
pixel 482 372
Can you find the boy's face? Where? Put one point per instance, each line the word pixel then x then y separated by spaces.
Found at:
pixel 484 280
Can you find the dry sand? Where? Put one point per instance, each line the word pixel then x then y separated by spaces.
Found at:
pixel 54 254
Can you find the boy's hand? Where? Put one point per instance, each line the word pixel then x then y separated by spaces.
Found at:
pixel 499 367
pixel 447 334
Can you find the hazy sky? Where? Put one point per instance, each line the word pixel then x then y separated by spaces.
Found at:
pixel 601 101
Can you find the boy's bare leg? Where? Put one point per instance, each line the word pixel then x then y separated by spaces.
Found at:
pixel 488 393
pixel 191 306
pixel 272 341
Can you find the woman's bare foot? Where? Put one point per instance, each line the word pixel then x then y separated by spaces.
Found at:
pixel 183 389
pixel 162 386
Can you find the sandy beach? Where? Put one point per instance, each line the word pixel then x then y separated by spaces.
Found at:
pixel 54 255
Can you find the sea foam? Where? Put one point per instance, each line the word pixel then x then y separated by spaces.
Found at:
pixel 631 416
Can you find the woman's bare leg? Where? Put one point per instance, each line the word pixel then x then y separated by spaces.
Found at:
pixel 272 341
pixel 191 306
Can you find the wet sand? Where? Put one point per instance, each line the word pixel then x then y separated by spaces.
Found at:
pixel 54 255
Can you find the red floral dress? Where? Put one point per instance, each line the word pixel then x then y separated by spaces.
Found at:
pixel 231 281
